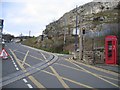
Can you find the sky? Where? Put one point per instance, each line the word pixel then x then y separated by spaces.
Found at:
pixel 33 15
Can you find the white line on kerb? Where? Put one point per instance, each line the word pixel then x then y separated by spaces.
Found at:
pixel 29 86
pixel 25 80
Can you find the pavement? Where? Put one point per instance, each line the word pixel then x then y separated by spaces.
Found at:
pixel 32 68
pixel 109 67
pixel 114 68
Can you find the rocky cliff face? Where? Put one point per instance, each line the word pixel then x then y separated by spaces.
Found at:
pixel 86 15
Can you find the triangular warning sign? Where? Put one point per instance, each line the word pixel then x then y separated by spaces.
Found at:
pixel 4 54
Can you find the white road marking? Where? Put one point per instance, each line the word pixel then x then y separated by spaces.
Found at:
pixel 25 80
pixel 17 68
pixel 30 86
pixel 15 65
pixel 43 56
pixel 11 57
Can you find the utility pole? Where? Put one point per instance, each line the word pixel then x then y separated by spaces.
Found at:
pixel 1 29
pixel 76 41
pixel 81 38
pixel 80 42
pixel 65 31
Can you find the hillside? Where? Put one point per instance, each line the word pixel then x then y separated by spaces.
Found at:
pixel 101 18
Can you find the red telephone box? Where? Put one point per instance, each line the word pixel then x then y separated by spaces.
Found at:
pixel 111 50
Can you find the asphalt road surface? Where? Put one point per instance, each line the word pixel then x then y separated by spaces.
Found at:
pixel 32 68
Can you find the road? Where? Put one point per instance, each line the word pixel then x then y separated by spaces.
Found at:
pixel 32 68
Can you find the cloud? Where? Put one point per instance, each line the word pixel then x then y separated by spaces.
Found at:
pixel 35 14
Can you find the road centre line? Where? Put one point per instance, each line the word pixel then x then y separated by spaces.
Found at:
pixel 11 57
pixel 25 57
pixel 78 83
pixel 14 63
pixel 29 86
pixel 25 80
pixel 38 84
pixel 94 74
pixel 17 68
pixel 30 55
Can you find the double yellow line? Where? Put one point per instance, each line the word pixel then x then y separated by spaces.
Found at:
pixel 94 74
pixel 67 79
pixel 38 84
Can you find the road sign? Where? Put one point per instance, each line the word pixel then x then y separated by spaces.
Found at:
pixel 4 54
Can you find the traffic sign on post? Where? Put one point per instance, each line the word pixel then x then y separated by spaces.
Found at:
pixel 4 54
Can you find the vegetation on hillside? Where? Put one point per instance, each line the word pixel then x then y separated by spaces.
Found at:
pixel 55 42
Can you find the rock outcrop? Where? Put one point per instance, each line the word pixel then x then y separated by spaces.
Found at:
pixel 86 15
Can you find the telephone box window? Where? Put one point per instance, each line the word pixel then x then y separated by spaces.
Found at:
pixel 109 48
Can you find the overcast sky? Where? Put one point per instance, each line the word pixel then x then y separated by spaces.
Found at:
pixel 33 15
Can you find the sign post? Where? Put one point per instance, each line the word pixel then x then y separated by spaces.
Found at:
pixel 1 29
